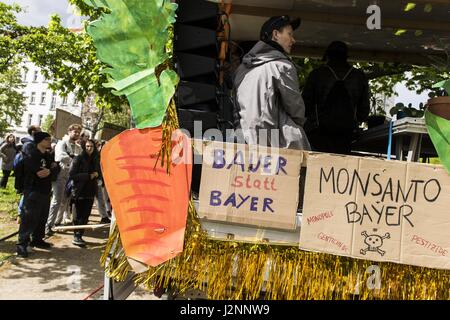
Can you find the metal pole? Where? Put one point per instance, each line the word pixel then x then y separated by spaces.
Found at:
pixel 107 287
pixel 389 150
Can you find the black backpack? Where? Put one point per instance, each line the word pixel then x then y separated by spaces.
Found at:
pixel 19 172
pixel 338 113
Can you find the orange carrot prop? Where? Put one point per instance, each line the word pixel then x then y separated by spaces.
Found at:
pixel 150 205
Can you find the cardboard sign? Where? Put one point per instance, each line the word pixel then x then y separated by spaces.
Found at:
pixel 250 185
pixel 109 131
pixel 377 210
pixel 62 121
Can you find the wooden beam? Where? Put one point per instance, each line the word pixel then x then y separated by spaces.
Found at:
pixel 78 227
pixel 426 1
pixel 9 236
pixel 366 55
pixel 398 23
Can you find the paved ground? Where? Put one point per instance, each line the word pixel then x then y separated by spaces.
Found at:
pixel 65 272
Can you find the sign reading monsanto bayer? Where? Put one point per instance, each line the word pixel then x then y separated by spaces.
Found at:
pixel 377 210
pixel 250 185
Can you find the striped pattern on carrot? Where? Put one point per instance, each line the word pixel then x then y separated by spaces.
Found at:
pixel 150 206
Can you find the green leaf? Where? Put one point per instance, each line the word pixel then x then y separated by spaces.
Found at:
pixel 394 111
pixel 97 3
pixel 12 102
pixel 418 33
pixel 439 132
pixel 409 6
pixel 428 8
pixel 131 39
pixel 443 84
pixel 399 32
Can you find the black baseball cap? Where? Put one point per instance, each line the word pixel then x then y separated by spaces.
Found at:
pixel 276 23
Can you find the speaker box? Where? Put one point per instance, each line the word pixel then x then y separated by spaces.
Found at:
pixel 187 117
pixel 198 12
pixel 196 179
pixel 191 66
pixel 192 93
pixel 196 50
pixel 190 38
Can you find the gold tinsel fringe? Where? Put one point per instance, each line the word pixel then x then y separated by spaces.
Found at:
pixel 114 259
pixel 231 270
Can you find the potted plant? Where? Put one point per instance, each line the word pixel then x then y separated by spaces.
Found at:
pixel 403 111
pixel 437 119
pixel 439 98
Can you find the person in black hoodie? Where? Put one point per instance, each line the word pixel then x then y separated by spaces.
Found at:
pixel 336 97
pixel 84 173
pixel 38 170
pixel 28 146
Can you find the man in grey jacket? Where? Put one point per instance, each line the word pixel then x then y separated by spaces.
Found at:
pixel 268 98
pixel 65 151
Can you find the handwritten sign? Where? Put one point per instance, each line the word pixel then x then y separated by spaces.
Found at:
pixel 377 210
pixel 110 130
pixel 250 185
pixel 62 121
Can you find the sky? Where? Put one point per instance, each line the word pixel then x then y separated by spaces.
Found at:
pixel 405 96
pixel 38 13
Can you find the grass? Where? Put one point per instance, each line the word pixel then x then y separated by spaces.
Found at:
pixel 4 257
pixel 435 161
pixel 431 161
pixel 9 200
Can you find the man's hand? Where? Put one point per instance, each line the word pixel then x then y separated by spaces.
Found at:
pixel 44 173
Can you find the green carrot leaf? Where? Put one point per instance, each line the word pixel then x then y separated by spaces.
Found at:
pixel 131 39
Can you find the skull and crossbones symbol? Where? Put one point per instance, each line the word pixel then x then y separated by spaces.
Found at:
pixel 374 242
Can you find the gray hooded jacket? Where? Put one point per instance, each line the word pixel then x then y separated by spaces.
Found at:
pixel 268 97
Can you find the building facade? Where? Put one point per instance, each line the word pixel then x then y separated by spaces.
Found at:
pixel 40 100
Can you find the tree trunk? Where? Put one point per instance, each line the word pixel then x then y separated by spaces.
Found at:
pixel 97 123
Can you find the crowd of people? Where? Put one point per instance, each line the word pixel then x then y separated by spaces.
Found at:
pixel 58 182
